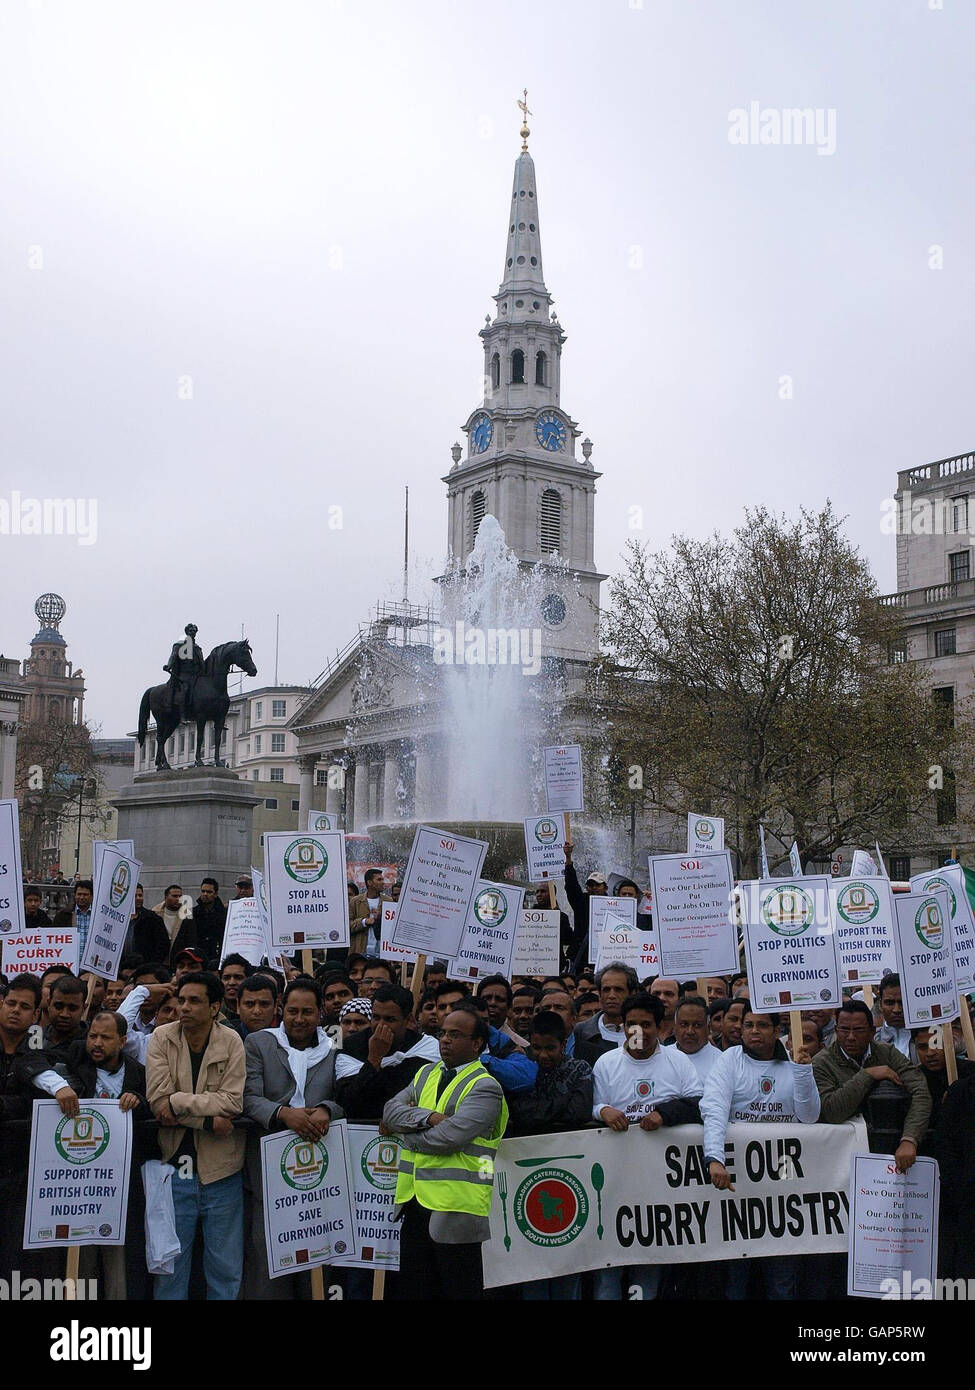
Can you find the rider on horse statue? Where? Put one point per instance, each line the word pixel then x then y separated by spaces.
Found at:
pixel 185 664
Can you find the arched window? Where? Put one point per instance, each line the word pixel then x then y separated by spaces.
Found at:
pixel 550 522
pixel 478 508
pixel 495 372
pixel 539 369
pixel 518 367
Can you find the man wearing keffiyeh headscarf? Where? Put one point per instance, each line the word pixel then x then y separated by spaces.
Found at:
pixel 355 1016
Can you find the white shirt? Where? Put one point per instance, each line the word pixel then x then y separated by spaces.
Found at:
pixel 638 1085
pixel 702 1061
pixel 740 1087
pixel 136 1044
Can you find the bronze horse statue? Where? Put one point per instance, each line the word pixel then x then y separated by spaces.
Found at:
pixel 208 701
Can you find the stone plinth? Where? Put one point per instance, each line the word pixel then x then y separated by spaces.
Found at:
pixel 188 824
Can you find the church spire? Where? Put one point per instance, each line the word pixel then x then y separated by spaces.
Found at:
pixel 522 295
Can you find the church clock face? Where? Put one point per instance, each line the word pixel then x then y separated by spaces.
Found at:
pixel 482 432
pixel 550 431
pixel 553 609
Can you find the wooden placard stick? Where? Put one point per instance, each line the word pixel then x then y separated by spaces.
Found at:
pixel 71 1272
pixel 378 1285
pixel 91 978
pixel 967 1032
pixel 417 982
pixel 317 1278
pixel 308 968
pixel 795 1029
pixel 868 996
pixel 951 1061
pixel 702 987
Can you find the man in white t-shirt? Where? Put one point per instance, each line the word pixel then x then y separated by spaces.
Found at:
pixel 645 1084
pixel 365 913
pixel 691 1033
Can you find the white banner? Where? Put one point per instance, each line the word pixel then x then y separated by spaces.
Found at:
pixel 307 893
pixel 593 1199
pixel 374 1163
pixel 78 1175
pixel 705 834
pixel 11 876
pixel 790 945
pixel 489 936
pixel 244 933
pixel 111 909
pixel 537 943
pixel 609 914
pixel 694 927
pixel 544 838
pixel 795 860
pixel 863 914
pixel 563 778
pixel 862 865
pixel 387 951
pixel 307 1209
pixel 98 848
pixel 319 821
pixel 37 951
pixel 925 961
pixel 441 874
pixel 893 1225
pixel 274 956
pixel 952 879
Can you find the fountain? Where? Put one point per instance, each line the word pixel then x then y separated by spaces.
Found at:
pixel 501 704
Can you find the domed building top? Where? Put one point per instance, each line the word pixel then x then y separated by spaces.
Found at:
pixel 50 635
pixel 50 609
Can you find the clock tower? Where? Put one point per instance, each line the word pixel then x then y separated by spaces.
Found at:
pixel 521 464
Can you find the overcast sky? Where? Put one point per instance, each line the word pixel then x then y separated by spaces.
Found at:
pixel 301 208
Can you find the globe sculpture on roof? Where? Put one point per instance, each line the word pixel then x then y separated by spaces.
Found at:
pixel 50 609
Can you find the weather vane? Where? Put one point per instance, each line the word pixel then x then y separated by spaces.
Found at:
pixel 525 113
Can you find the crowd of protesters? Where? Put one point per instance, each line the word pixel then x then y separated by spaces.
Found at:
pixel 212 1053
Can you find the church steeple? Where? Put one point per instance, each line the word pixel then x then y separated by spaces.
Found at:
pixel 520 464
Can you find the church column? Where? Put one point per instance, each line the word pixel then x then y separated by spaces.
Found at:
pixel 391 778
pixel 8 758
pixel 306 784
pixel 333 794
pixel 360 814
pixel 425 779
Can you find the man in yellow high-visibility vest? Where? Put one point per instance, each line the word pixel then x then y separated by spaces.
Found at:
pixel 450 1120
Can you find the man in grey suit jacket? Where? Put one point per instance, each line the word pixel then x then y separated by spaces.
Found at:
pixel 291 1075
pixel 440 1250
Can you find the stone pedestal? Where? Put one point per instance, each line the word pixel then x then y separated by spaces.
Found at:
pixel 187 825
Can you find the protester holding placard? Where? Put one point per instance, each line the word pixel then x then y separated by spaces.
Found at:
pixel 755 1082
pixel 291 1075
pixel 856 1075
pixel 596 887
pixel 933 1067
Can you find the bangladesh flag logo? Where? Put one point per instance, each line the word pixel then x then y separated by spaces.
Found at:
pixel 858 903
pixel 546 832
pixel 766 1085
pixel 788 910
pixel 380 1163
pixel 490 908
pixel 551 1207
pixel 120 884
pixel 306 860
pixel 82 1138
pixel 304 1164
pixel 929 924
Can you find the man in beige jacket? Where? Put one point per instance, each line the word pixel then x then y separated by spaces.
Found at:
pixel 195 1075
pixel 365 915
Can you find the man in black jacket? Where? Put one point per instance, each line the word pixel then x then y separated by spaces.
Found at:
pixel 204 930
pixel 954 1147
pixel 98 1070
pixel 596 887
pixel 147 936
pixel 390 1053
pixel 34 916
pixel 594 1036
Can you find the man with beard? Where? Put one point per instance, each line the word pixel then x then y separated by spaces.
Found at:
pixel 203 930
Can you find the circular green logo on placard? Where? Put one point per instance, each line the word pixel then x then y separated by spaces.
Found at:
pixel 380 1163
pixel 704 830
pixel 788 910
pixel 306 860
pixel 82 1138
pixel 857 903
pixel 546 832
pixel 120 885
pixel 929 924
pixel 490 908
pixel 551 1207
pixel 304 1164
pixel 323 822
pixel 939 882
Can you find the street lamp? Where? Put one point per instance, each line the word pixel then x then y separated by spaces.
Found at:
pixel 87 786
